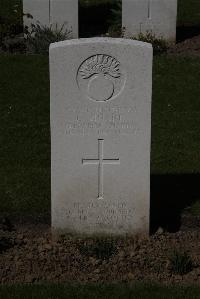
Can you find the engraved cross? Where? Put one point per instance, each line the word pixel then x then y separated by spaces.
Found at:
pixel 100 162
pixel 149 9
pixel 50 12
pixel 149 13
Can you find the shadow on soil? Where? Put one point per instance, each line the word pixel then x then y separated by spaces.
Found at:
pixel 170 194
pixel 184 32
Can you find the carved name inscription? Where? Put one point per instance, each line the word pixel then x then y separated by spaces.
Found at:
pixel 117 213
pixel 113 120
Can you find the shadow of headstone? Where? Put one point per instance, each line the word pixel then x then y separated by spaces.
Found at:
pixel 170 194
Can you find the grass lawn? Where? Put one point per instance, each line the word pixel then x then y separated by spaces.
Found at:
pixel 188 13
pixel 137 291
pixel 176 116
pixel 25 132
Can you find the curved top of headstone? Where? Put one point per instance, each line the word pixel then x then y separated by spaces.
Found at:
pixel 96 40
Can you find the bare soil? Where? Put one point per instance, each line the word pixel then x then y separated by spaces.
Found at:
pixel 29 254
pixel 189 47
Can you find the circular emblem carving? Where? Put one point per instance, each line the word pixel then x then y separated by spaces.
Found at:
pixel 101 77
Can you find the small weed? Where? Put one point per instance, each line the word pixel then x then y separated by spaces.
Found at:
pixel 11 19
pixel 194 209
pixel 158 268
pixel 180 262
pixel 159 44
pixel 99 248
pixel 39 38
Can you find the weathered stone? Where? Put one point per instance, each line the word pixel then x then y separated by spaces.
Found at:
pixel 65 12
pixel 100 135
pixel 156 16
pixel 39 10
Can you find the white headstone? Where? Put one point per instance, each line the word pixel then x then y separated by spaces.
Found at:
pixel 48 12
pixel 39 10
pixel 65 11
pixel 158 16
pixel 100 135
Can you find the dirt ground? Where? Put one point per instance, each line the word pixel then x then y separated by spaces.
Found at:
pixel 29 254
pixel 189 47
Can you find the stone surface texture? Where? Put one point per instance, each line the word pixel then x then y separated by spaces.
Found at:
pixel 158 16
pixel 100 135
pixel 53 12
pixel 65 11
pixel 39 10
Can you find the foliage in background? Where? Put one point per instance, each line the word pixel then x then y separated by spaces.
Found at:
pixel 115 28
pixel 100 17
pixel 95 16
pixel 159 44
pixel 11 15
pixel 39 38
pixel 105 15
pixel 180 262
